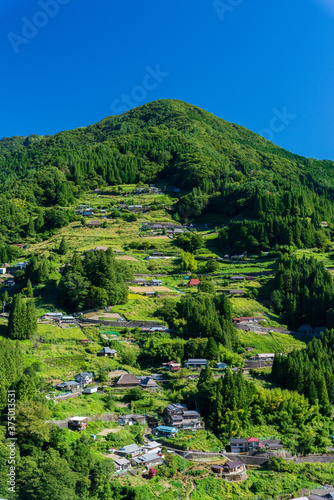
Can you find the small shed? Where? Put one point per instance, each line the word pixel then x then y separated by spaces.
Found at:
pixel 194 282
pixel 89 390
pixel 78 423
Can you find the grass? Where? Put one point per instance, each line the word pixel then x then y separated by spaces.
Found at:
pixel 199 440
pixel 274 342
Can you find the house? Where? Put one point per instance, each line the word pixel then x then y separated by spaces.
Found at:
pixel 188 420
pixel 241 445
pixel 131 450
pixel 221 366
pixel 118 252
pixel 72 385
pixel 131 419
pixel 149 293
pixel 253 444
pixel 272 444
pixel 78 423
pixel 95 223
pixel 236 292
pixel 148 459
pixel 84 378
pixel 263 357
pixel 52 315
pixel 89 390
pixel 172 366
pixel 158 329
pixel 67 319
pixel 246 319
pixel 100 248
pixel 122 464
pixel 106 351
pixel 3 270
pixel 127 380
pixel 151 257
pixel 305 329
pixel 151 447
pixel 195 363
pixel 88 213
pixel 238 445
pixel 165 431
pixel 194 282
pixel 175 409
pixel 139 281
pixel 149 384
pixel 179 417
pixel 320 329
pixel 237 278
pixel 231 471
pixel 156 283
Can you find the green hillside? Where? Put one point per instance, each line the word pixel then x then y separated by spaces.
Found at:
pixel 164 234
pixel 221 169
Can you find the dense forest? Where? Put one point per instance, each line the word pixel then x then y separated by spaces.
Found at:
pixel 310 371
pixel 220 167
pixel 204 314
pixel 232 405
pixel 302 292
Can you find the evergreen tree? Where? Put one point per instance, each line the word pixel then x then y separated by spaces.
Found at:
pixel 17 319
pixel 31 321
pixel 63 247
pixel 212 351
pixel 29 291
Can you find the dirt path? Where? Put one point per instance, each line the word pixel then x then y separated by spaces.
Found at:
pixel 192 488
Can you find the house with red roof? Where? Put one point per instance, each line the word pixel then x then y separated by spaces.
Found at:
pixel 252 444
pixel 194 282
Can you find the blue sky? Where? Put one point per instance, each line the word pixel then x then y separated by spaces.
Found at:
pixel 266 65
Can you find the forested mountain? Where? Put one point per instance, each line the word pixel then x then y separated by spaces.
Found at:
pixel 219 166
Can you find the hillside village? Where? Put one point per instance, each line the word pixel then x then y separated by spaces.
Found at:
pixel 121 374
pixel 166 312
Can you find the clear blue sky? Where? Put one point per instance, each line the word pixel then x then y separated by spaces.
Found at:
pixel 247 61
